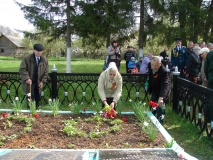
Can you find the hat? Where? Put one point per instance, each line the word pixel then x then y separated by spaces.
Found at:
pixel 178 39
pixel 203 50
pixel 38 47
pixel 133 58
pixel 129 46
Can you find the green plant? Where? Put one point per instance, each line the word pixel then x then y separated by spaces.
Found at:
pixel 116 122
pixel 170 144
pixel 54 106
pixel 96 134
pixel 8 124
pixel 150 130
pixel 17 105
pixel 70 146
pixel 140 110
pixel 119 107
pixel 126 144
pixel 32 105
pixel 27 129
pixel 97 106
pixel 76 108
pixel 2 139
pixel 97 118
pixel 115 128
pixel 71 130
pixel 13 136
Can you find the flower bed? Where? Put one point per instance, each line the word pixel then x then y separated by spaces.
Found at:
pixel 76 131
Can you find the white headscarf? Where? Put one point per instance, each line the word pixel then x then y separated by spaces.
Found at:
pixel 112 67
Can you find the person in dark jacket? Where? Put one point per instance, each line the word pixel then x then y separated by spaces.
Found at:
pixel 193 66
pixel 208 69
pixel 127 57
pixel 165 60
pixel 34 73
pixel 159 86
pixel 114 54
pixel 139 63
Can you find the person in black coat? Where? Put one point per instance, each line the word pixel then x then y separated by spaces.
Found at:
pixel 159 86
pixel 193 67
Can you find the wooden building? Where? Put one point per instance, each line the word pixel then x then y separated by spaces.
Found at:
pixel 11 46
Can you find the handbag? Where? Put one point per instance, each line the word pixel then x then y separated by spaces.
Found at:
pixel 106 63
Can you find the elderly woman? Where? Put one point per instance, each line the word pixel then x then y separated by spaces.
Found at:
pixel 203 53
pixel 110 85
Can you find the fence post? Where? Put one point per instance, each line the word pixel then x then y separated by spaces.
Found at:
pixel 54 82
pixel 175 90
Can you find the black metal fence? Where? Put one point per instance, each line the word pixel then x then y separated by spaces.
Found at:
pixel 192 101
pixel 73 87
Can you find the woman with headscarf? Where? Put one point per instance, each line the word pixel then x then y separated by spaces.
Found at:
pixel 110 85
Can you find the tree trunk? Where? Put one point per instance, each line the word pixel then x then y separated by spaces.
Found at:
pixel 68 66
pixel 209 24
pixel 141 29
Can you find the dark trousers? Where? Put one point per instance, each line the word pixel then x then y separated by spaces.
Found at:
pixel 160 111
pixel 35 95
pixel 109 101
pixel 182 72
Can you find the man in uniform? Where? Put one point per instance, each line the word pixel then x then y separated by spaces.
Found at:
pixel 179 57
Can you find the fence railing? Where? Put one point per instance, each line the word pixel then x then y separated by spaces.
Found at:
pixel 192 101
pixel 73 87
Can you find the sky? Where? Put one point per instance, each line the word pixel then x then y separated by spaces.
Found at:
pixel 11 15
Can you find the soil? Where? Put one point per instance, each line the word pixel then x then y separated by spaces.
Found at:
pixel 46 133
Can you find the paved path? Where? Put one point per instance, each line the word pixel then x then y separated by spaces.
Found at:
pixel 54 154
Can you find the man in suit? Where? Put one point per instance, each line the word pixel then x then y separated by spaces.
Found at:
pixel 179 57
pixel 159 86
pixel 34 73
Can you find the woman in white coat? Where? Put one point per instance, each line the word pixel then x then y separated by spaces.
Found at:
pixel 110 85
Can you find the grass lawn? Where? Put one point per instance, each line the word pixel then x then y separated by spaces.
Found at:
pixel 183 132
pixel 77 65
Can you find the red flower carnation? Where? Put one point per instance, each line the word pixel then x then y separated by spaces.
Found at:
pixel 153 104
pixel 4 115
pixel 124 119
pixel 36 115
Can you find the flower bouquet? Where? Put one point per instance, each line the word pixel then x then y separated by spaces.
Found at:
pixel 109 112
pixel 155 105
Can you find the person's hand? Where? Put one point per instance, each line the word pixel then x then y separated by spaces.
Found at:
pixel 160 101
pixel 40 85
pixel 112 104
pixel 105 103
pixel 29 81
pixel 205 80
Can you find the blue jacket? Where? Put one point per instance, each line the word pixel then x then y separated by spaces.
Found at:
pixel 179 57
pixel 131 64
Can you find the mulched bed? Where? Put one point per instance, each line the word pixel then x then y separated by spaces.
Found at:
pixel 46 133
